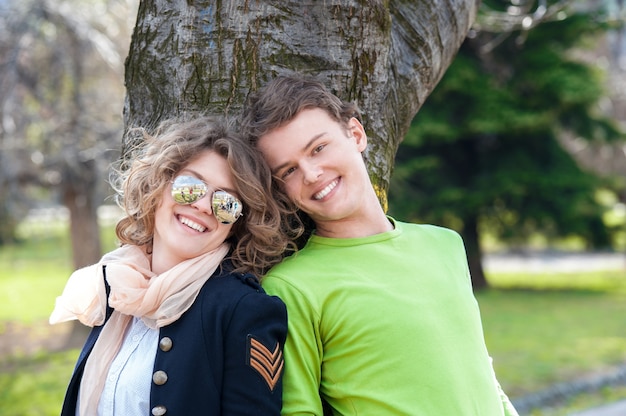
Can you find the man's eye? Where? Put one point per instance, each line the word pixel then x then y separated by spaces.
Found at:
pixel 318 149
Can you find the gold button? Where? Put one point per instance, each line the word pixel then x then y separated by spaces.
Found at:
pixel 159 377
pixel 159 410
pixel 165 344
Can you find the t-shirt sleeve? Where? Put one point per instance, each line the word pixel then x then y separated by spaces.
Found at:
pixel 303 350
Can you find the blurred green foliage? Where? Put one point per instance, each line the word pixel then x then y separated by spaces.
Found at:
pixel 484 152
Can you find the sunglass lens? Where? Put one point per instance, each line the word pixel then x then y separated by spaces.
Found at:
pixel 226 207
pixel 187 190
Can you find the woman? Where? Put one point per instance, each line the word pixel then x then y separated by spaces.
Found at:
pixel 181 324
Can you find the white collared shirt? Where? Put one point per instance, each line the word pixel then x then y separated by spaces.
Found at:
pixel 127 388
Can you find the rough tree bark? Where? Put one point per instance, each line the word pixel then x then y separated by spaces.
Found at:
pixel 207 56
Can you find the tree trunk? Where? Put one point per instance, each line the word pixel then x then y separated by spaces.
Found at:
pixel 474 252
pixel 207 56
pixel 78 197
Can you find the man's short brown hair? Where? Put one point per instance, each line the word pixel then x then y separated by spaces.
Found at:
pixel 284 97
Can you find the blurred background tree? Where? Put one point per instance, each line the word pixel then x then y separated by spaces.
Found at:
pixel 61 99
pixel 485 153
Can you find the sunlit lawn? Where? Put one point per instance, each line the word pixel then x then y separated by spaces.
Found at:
pixel 573 326
pixel 35 385
pixel 541 337
pixel 551 328
pixel 33 273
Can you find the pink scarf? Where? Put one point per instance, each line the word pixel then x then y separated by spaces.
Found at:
pixel 135 291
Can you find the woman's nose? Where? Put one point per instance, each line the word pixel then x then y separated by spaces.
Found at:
pixel 204 204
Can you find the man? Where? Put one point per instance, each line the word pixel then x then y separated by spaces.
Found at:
pixel 381 315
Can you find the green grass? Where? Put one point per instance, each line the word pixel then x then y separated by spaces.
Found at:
pixel 540 329
pixel 32 274
pixel 538 338
pixel 35 385
pixel 543 329
pixel 583 401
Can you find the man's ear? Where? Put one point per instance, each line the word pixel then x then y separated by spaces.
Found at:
pixel 358 132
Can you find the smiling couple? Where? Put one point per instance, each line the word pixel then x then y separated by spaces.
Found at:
pixel 381 315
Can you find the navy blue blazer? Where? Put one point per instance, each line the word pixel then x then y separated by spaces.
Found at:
pixel 223 356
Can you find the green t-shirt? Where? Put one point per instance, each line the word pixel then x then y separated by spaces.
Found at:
pixel 385 325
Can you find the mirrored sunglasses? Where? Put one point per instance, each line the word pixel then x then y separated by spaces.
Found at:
pixel 187 190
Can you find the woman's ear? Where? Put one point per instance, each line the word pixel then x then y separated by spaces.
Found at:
pixel 358 132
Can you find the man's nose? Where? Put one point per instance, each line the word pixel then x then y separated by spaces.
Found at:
pixel 311 172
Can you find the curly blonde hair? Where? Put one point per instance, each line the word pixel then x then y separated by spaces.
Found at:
pixel 259 239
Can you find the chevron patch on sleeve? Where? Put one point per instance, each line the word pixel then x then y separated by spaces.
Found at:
pixel 269 364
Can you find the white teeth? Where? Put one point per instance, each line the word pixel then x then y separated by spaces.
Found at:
pixel 192 224
pixel 321 194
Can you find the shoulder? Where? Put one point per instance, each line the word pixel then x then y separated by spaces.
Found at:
pixel 225 279
pixel 228 290
pixel 245 305
pixel 234 300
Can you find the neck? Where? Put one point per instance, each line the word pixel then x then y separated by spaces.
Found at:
pixel 160 262
pixel 363 226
